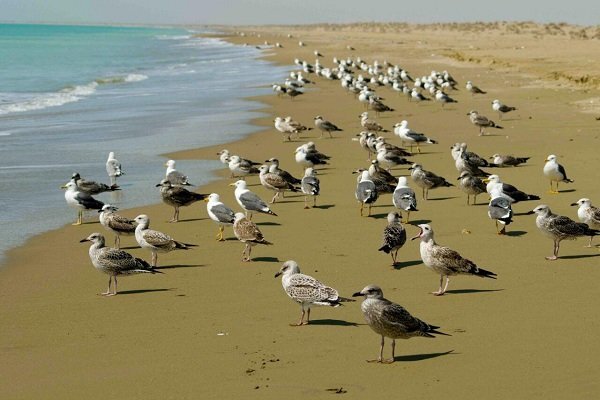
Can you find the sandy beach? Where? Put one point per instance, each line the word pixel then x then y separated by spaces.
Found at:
pixel 213 327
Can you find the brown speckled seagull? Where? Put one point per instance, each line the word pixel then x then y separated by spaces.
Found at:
pixel 247 232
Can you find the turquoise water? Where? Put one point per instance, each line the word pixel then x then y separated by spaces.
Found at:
pixel 71 94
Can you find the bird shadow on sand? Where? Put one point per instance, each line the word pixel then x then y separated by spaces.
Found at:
pixel 332 322
pixel 470 291
pixel 192 220
pixel 421 357
pixel 379 216
pixel 288 201
pixel 516 233
pixel 268 223
pixel 324 206
pixel 265 259
pixel 567 191
pixel 575 257
pixel 139 291
pixel 180 266
pixel 405 264
pixel 130 248
pixel 443 198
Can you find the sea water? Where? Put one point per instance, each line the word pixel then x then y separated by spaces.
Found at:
pixel 69 95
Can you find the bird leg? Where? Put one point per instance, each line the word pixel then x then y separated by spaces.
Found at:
pixel 314 201
pixel 361 208
pixel 79 218
pixel 426 194
pixel 175 215
pixel 554 256
pixel 407 217
pixel 391 360
pixel 154 259
pixel 220 234
pixel 468 199
pixel 369 213
pixel 590 243
pixel 108 293
pixel 117 242
pixel 441 291
pixel 246 253
pixel 380 359
pixel 474 199
pixel 301 322
pixel 274 197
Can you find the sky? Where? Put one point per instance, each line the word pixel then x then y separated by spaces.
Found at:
pixel 248 12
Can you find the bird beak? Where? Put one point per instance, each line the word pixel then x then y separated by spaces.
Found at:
pixel 84 240
pixel 574 204
pixel 485 180
pixel 459 178
pixel 277 274
pixel 530 212
pixel 206 200
pixel 157 185
pixel 165 165
pixel 357 294
pixel 63 186
pixel 232 184
pixel 418 236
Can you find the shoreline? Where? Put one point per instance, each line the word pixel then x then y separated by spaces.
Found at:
pixel 218 327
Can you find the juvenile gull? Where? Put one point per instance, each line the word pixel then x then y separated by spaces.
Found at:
pixel 391 158
pixel 558 227
pixel 501 108
pixel 508 160
pixel 297 126
pixel 472 158
pixel 177 197
pixel 175 177
pixel 500 210
pixel 404 197
pixel 427 180
pixel 116 223
pixel 155 241
pixel 306 290
pixel 471 185
pixel 394 236
pixel 114 262
pixel 588 214
pixel 383 180
pixel 412 137
pixel 445 261
pixel 249 201
pixel 391 320
pixel 509 191
pixel 378 106
pixel 80 200
pixel 380 142
pixel 220 213
pixel 471 165
pixel 366 192
pixel 91 187
pixel 482 122
pixel 113 168
pixel 310 186
pixel 369 124
pixel 247 232
pixel 555 172
pixel 473 89
pixel 326 126
pixel 274 182
pixel 274 169
pixel 284 128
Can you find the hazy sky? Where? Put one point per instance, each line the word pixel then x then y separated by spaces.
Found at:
pixel 583 12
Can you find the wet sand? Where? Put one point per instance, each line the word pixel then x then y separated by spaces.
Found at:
pixel 214 327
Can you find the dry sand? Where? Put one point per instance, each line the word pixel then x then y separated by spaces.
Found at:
pixel 214 327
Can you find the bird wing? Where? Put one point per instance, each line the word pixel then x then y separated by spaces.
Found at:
pixel 117 261
pixel 566 226
pixel 156 238
pixel 500 208
pixel 310 185
pixel 88 202
pixel 304 288
pixel 397 315
pixel 595 214
pixel 394 235
pixel 121 224
pixel 223 213
pixel 177 178
pixel 452 261
pixel 252 202
pixel 247 231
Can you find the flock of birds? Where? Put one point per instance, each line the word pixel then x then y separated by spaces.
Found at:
pixel 362 79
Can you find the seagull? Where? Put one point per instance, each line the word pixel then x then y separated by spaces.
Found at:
pixel 383 180
pixel 471 185
pixel 177 196
pixel 247 232
pixel 325 126
pixel 284 128
pixel 482 122
pixel 369 124
pixel 113 168
pixel 310 186
pixel 249 201
pixel 443 98
pixel 175 177
pixel 427 180
pixel 220 213
pixel 413 138
pixel 116 223
pixel 240 167
pixel 274 182
pixel 445 261
pixel 501 108
pixel 473 89
pixel 114 262
pixel 306 290
pixel 417 96
pixel 391 158
pixel 155 241
pixel 508 191
pixel 91 187
pixel 504 160
pixel 404 197
pixel 391 320
pixel 366 192
pixel 500 210
pixel 274 169
pixel 588 214
pixel 472 158
pixel 394 236
pixel 555 172
pixel 378 106
pixel 80 200
pixel 295 125
pixel 559 227
pixel 462 163
pixel 308 158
